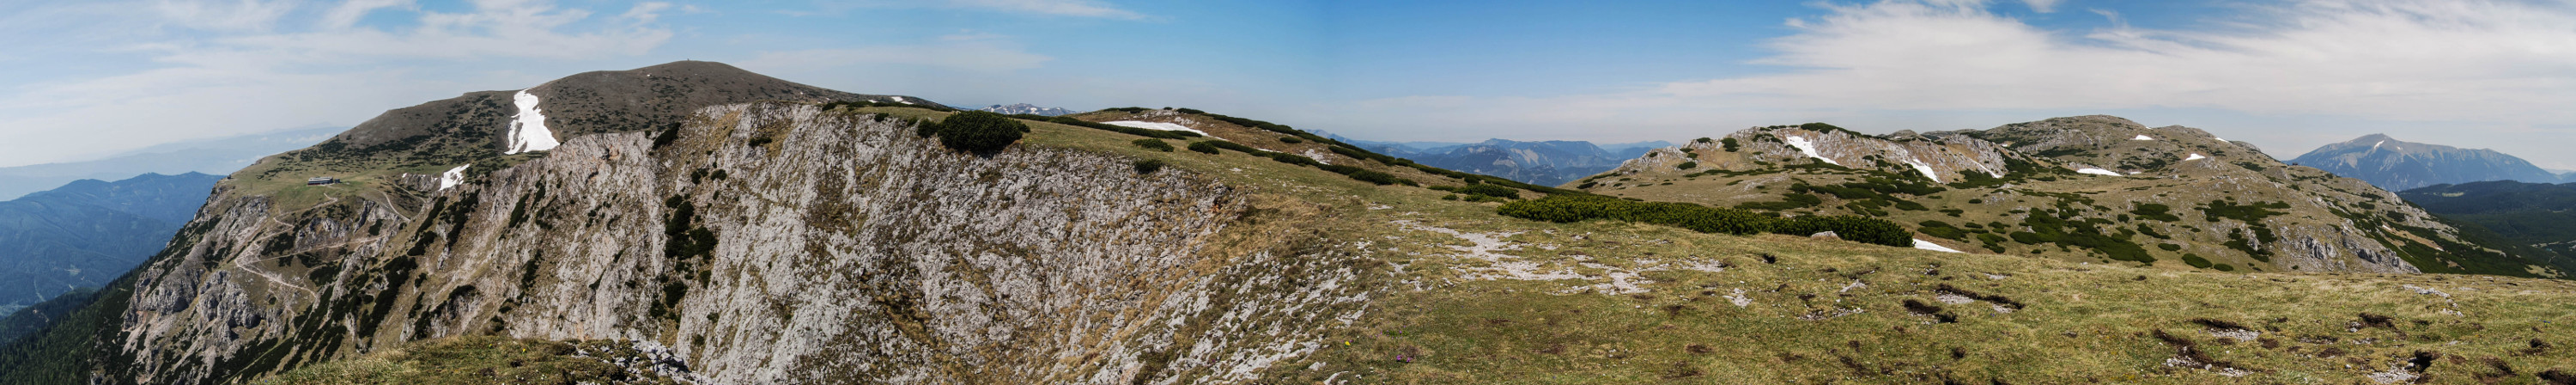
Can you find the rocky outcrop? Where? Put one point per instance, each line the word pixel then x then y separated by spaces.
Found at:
pixel 771 243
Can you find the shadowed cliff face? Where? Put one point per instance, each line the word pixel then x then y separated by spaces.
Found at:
pixel 770 243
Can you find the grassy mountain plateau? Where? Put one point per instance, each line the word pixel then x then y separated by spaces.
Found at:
pixel 694 223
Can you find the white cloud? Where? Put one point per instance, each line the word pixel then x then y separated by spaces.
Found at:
pixel 1077 8
pixel 255 74
pixel 348 13
pixel 1084 8
pixel 960 52
pixel 2042 6
pixel 224 14
pixel 2487 62
pixel 2414 60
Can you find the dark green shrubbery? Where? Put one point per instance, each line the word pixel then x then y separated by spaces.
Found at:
pixel 1149 166
pixel 1943 230
pixel 1153 144
pixel 1787 202
pixel 1576 208
pixel 1687 165
pixel 2156 212
pixel 978 131
pixel 1730 144
pixel 1488 190
pixel 1379 178
pixel 1203 147
pixel 2195 261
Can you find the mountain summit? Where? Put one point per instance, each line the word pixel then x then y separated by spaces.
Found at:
pixel 2400 165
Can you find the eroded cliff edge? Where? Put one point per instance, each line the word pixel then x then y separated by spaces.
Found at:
pixel 770 242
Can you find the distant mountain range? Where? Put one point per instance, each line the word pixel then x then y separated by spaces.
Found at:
pixel 1546 163
pixel 213 156
pixel 1025 108
pixel 86 233
pixel 2400 165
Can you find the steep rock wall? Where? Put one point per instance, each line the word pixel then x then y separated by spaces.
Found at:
pixel 772 243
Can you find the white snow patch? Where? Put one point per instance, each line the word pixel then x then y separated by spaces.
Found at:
pixel 899 99
pixel 1925 168
pixel 1927 245
pixel 1157 126
pixel 1809 149
pixel 452 177
pixel 2375 146
pixel 1318 156
pixel 2195 156
pixel 2096 171
pixel 2142 137
pixel 528 130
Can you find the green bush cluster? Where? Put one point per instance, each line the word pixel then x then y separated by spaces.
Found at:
pixel 1729 144
pixel 1489 190
pixel 1203 147
pixel 1148 166
pixel 1943 230
pixel 2155 212
pixel 2047 228
pixel 2195 261
pixel 1787 202
pixel 1153 144
pixel 977 131
pixel 1576 208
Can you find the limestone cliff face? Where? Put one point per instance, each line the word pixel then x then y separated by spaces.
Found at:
pixel 768 243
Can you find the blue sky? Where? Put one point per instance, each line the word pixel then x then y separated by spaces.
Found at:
pixel 97 77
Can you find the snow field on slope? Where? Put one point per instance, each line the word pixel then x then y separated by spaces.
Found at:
pixel 528 130
pixel 1809 149
pixel 1925 168
pixel 1158 126
pixel 452 177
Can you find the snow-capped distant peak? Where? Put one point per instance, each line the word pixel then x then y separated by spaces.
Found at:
pixel 528 130
pixel 2142 137
pixel 452 177
pixel 2195 156
pixel 1808 148
pixel 1157 126
pixel 2096 171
